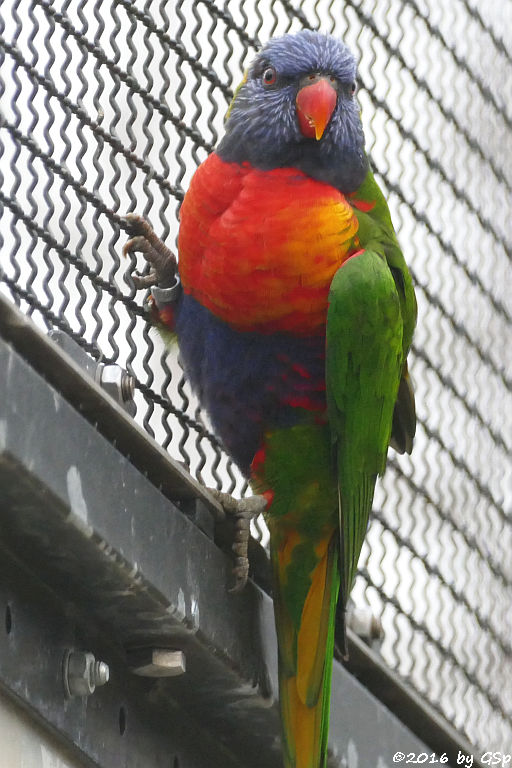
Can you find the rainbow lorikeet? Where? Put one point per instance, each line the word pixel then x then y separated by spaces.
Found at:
pixel 294 322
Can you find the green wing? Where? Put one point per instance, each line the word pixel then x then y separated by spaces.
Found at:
pixel 376 233
pixel 364 364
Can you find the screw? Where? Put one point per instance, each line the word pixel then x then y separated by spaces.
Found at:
pixel 100 673
pixel 127 386
pixel 82 674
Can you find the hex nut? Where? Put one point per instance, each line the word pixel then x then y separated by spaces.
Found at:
pixel 118 383
pixel 82 674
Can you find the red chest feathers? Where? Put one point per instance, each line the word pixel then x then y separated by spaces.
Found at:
pixel 259 248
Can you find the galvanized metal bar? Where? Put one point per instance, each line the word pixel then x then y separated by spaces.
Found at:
pixel 73 381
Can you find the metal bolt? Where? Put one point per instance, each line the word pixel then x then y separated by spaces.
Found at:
pixel 82 674
pixel 119 384
pixel 101 673
pixel 111 377
pixel 127 386
pixel 156 662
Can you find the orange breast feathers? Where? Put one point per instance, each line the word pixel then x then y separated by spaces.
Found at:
pixel 259 248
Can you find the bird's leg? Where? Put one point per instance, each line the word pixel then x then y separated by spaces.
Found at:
pixel 241 511
pixel 163 265
pixel 164 281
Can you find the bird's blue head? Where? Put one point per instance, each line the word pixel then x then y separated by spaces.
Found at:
pixel 296 108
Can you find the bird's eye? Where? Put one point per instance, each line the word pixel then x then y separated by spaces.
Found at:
pixel 269 76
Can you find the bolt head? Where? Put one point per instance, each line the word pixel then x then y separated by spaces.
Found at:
pixel 156 662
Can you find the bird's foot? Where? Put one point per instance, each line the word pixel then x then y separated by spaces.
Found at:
pixel 163 265
pixel 241 512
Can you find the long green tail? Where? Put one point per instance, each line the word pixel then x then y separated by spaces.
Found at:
pixel 305 660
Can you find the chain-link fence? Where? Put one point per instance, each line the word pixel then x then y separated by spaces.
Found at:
pixel 108 107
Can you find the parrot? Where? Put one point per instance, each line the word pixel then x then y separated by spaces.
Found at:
pixel 294 317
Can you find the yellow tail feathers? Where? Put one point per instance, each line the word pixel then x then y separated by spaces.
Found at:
pixel 306 663
pixel 303 727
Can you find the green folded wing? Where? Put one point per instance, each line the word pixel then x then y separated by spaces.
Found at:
pixel 364 362
pixel 376 233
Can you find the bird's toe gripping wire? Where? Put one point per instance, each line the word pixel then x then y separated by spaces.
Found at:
pixel 163 266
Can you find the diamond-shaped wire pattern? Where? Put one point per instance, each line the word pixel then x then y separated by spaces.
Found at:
pixel 109 107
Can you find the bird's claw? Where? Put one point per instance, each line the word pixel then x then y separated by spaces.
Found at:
pixel 162 260
pixel 144 281
pixel 242 511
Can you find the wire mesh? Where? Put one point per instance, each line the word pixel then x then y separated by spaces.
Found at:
pixel 109 107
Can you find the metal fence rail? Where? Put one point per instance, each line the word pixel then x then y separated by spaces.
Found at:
pixel 109 107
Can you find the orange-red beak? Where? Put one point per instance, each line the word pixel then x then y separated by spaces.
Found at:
pixel 315 105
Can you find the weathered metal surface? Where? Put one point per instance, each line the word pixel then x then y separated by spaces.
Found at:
pixel 76 382
pixel 126 723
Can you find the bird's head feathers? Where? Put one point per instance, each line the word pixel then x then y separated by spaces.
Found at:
pixel 296 107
